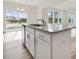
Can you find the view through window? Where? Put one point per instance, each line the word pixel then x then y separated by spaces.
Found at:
pixel 15 18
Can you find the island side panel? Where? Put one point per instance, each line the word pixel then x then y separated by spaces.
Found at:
pixel 61 45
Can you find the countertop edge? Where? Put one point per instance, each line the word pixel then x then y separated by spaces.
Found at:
pixel 48 31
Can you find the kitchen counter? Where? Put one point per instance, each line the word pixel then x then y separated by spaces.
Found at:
pixel 51 28
pixel 48 42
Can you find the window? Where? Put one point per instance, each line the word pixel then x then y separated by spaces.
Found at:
pixel 55 17
pixel 55 20
pixel 71 19
pixel 15 17
pixel 60 20
pixel 60 17
pixel 50 14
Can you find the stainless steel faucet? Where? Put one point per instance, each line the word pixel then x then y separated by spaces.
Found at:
pixel 43 21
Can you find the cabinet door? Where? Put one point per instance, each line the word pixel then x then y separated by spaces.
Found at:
pixel 42 49
pixel 32 45
pixel 43 35
pixel 27 40
pixel 30 42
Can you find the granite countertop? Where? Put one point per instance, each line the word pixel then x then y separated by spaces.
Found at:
pixel 52 28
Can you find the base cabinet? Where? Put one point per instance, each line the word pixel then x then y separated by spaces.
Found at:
pixel 32 46
pixel 30 42
pixel 42 49
pixel 27 40
pixel 48 46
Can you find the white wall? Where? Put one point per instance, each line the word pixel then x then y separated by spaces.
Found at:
pixel 39 12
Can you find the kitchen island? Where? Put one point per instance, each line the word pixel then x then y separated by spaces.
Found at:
pixel 48 42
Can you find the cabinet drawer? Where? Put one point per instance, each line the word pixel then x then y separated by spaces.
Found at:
pixel 31 30
pixel 29 35
pixel 43 35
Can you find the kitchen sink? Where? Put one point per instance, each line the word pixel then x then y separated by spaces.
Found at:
pixel 36 25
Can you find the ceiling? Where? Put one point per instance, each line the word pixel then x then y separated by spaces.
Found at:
pixel 68 5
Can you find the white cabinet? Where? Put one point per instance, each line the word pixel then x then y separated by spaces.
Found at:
pixel 42 49
pixel 29 29
pixel 43 35
pixel 30 42
pixel 61 45
pixel 27 39
pixel 32 45
pixel 44 45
